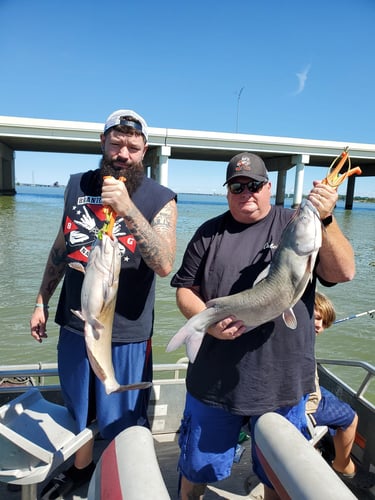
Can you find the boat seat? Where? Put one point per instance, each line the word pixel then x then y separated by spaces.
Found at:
pixel 293 466
pixel 36 436
pixel 316 431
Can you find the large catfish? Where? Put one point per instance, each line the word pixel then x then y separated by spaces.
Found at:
pixel 98 300
pixel 288 275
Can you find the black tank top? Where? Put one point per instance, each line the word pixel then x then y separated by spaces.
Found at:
pixel 83 217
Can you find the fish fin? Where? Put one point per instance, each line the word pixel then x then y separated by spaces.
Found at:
pixel 77 266
pixel 190 337
pixel 193 345
pixel 311 263
pixel 262 275
pixel 132 387
pixel 290 319
pixel 178 339
pixel 93 329
pixel 97 325
pixel 78 314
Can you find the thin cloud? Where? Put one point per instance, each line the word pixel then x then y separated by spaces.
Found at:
pixel 302 77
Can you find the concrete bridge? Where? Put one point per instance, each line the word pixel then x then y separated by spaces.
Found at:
pixel 279 153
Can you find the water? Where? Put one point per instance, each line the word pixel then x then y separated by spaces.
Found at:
pixel 29 223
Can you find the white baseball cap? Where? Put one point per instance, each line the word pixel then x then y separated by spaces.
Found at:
pixel 128 118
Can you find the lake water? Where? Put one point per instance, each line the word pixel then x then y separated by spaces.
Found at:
pixel 29 222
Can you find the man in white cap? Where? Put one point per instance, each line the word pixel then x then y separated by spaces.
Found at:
pixel 145 228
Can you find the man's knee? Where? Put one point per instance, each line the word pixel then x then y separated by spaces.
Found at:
pixel 353 426
pixel 355 420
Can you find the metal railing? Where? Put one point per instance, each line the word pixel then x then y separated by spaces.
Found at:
pixel 369 373
pixel 17 378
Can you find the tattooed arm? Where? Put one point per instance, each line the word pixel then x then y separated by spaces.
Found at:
pixel 53 273
pixel 156 241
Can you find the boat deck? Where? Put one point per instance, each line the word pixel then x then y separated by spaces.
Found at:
pixel 235 487
pixel 242 484
pixel 166 407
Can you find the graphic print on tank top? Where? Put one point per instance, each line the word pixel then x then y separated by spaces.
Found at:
pixel 81 227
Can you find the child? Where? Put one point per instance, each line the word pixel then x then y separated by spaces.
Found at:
pixel 340 418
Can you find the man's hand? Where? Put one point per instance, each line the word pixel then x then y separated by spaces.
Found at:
pixel 38 323
pixel 227 329
pixel 324 198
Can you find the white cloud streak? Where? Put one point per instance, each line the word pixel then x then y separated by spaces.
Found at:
pixel 302 77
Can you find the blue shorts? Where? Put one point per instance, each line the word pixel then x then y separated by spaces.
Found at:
pixel 209 436
pixel 333 412
pixel 84 393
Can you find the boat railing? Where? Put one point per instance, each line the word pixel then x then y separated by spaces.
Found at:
pixel 176 368
pixel 16 379
pixel 45 375
pixel 42 374
pixel 369 373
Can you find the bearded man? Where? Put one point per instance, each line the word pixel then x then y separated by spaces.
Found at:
pixel 145 228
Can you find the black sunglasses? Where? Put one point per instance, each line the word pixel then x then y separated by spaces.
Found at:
pixel 253 186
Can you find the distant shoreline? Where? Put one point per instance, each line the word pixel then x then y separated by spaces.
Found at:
pixel 360 199
pixel 29 184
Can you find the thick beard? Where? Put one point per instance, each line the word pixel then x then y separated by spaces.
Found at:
pixel 133 174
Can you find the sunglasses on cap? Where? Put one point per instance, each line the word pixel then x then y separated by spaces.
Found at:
pixel 253 186
pixel 129 121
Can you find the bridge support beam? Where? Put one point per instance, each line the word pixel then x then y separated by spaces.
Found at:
pixel 280 189
pixel 157 160
pixel 299 161
pixel 7 169
pixel 350 193
pixel 281 165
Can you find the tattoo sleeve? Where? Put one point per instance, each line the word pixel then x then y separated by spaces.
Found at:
pixel 54 270
pixel 156 241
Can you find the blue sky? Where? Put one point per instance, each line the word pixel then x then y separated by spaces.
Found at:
pixel 306 70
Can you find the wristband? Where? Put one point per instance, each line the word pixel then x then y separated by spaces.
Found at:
pixel 327 221
pixel 42 305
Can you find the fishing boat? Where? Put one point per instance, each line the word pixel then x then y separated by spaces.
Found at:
pixel 37 440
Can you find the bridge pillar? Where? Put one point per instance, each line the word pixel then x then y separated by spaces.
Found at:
pixel 350 193
pixel 299 161
pixel 280 189
pixel 157 159
pixel 7 167
pixel 281 166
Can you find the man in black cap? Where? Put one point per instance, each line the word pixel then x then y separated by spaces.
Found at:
pixel 145 228
pixel 271 368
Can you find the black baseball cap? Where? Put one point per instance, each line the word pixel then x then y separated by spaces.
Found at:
pixel 247 165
